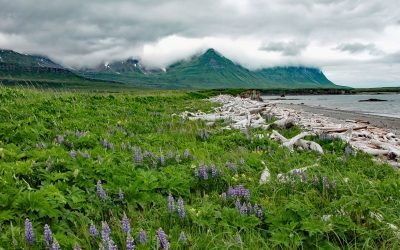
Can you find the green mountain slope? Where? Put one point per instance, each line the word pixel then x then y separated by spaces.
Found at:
pixel 33 70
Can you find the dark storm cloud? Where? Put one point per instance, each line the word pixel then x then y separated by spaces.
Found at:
pixel 78 32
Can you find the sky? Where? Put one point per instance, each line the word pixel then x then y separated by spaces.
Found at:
pixel 355 42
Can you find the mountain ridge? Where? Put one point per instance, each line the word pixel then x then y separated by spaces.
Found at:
pixel 203 71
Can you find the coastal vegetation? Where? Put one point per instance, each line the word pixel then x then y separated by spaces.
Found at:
pixel 90 170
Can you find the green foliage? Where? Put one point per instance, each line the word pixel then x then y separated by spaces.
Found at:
pixel 40 180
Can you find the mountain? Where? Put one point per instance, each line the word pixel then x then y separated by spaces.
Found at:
pixel 209 70
pixel 11 61
pixel 22 69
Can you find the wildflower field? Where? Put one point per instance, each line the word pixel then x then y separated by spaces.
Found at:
pixel 121 170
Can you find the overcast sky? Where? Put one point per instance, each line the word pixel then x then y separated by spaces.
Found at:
pixel 355 42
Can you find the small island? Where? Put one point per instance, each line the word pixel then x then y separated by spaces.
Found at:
pixel 373 100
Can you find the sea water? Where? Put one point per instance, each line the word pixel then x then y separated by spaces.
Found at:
pixel 390 108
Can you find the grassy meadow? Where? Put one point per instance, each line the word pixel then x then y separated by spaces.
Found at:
pixel 101 169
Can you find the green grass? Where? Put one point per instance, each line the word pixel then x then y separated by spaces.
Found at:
pixel 39 179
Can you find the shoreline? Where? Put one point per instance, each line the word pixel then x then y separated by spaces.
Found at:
pixel 340 116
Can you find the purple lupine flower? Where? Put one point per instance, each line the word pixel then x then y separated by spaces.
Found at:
pixel 100 191
pixel 72 153
pixel 93 230
pixel 130 245
pixel 105 233
pixel 29 234
pixel 147 154
pixel 55 245
pixel 125 224
pixel 120 195
pixel 241 161
pixel 77 247
pixel 111 146
pixel 231 167
pixel 325 182
pixel 104 142
pixel 79 133
pixel 142 237
pixel 203 171
pixel 162 239
pixel 246 194
pixel 223 197
pixel 258 212
pixel 112 245
pixel 171 203
pixel 182 237
pixel 86 155
pixel 303 177
pixel 60 139
pixel 343 158
pixel 162 159
pixel 347 150
pixel 243 209
pixel 249 208
pixel 213 171
pixel 237 204
pixel 295 172
pixel 231 192
pixel 123 147
pixel 186 154
pixel 138 156
pixel 316 180
pixel 181 208
pixel 48 235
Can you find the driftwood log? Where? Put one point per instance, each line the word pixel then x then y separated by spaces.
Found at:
pixel 297 141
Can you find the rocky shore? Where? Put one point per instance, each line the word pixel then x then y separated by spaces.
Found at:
pixel 374 135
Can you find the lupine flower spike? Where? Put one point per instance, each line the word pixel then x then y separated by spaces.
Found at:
pixel 100 191
pixel 55 245
pixel 181 209
pixel 120 195
pixel 48 235
pixel 105 233
pixel 126 226
pixel 29 234
pixel 171 203
pixel 162 239
pixel 130 245
pixel 182 237
pixel 93 230
pixel 142 237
